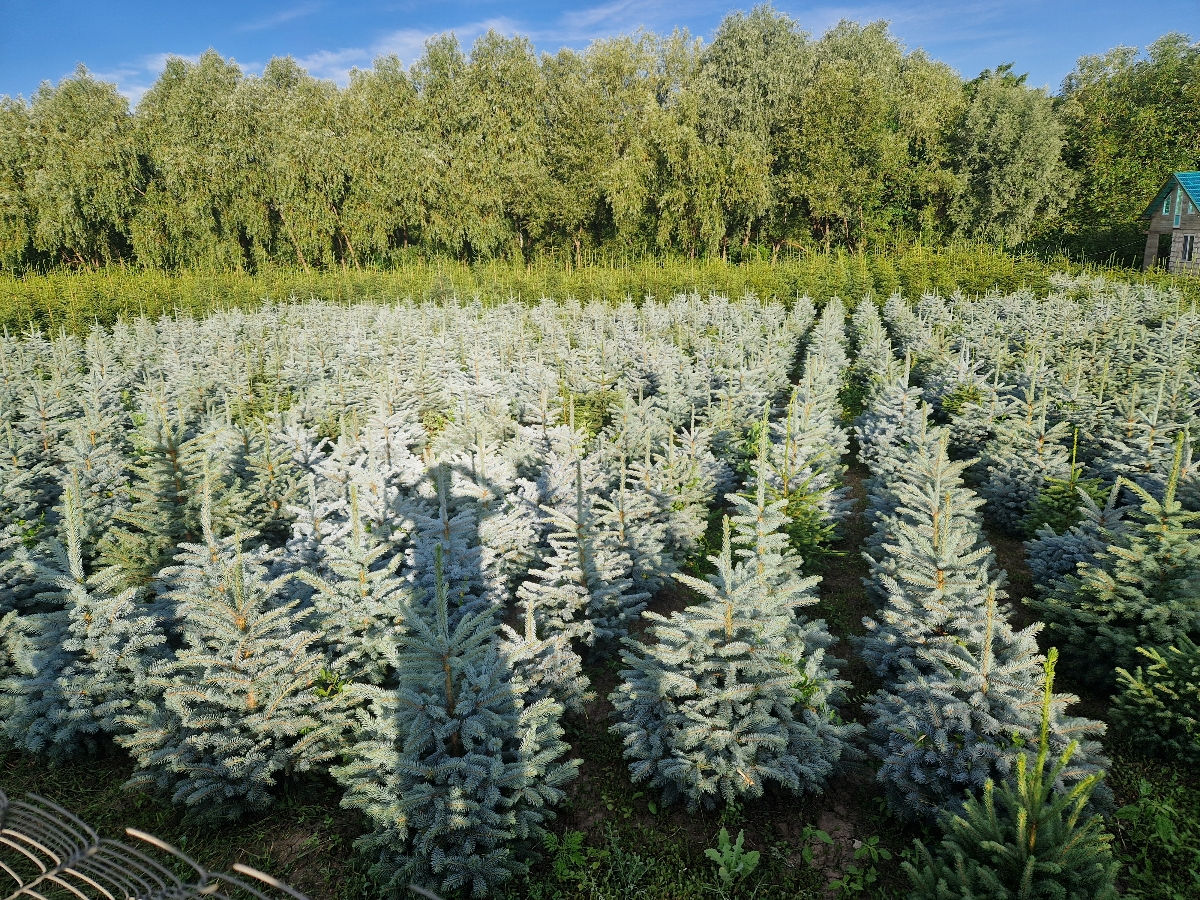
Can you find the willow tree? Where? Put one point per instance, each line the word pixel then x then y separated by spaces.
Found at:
pixel 846 148
pixel 83 170
pixel 685 180
pixel 577 147
pixel 16 215
pixel 381 155
pixel 1129 119
pixel 205 203
pixel 304 169
pixel 505 80
pixel 1009 160
pixel 747 73
pixel 932 104
pixel 620 76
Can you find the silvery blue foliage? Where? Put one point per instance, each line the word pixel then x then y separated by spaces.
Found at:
pixel 510 530
pixel 448 526
pixel 735 692
pixel 583 589
pixel 357 601
pixel 96 449
pixel 1052 557
pixel 1137 441
pixel 80 662
pixel 929 564
pixel 962 718
pixel 890 430
pixel 1024 452
pixel 630 519
pixel 236 706
pixel 455 770
pixel 545 666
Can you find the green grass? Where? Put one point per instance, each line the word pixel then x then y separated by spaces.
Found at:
pixel 1157 827
pixel 305 839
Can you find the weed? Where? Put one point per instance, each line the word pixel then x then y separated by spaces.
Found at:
pixel 734 863
pixel 865 872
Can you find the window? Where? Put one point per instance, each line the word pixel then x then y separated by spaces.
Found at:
pixel 1167 205
pixel 1189 247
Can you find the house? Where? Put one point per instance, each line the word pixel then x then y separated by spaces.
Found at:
pixel 1175 211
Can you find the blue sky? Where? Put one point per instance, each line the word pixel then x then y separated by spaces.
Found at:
pixel 127 42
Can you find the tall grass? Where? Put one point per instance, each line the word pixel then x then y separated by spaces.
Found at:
pixel 74 301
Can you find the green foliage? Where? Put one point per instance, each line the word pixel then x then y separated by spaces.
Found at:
pixel 961 396
pixel 734 863
pixel 761 143
pixel 864 873
pixel 1159 833
pixel 78 300
pixel 1139 592
pixel 1104 104
pixel 589 410
pixel 810 530
pixel 1008 160
pixel 1058 504
pixel 568 857
pixel 1024 840
pixel 1158 706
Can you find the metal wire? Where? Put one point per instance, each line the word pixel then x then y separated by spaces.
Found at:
pixel 47 853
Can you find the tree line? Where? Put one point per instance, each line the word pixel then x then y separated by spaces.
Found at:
pixel 763 139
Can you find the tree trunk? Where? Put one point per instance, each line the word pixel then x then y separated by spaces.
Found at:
pixel 295 243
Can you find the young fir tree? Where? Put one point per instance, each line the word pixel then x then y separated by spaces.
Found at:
pixel 46 407
pixel 357 602
pixel 1025 451
pixel 451 529
pixel 1058 505
pixel 683 479
pixel 736 691
pixel 1027 839
pixel 96 449
pixel 22 519
pixel 583 590
pixel 629 516
pixel 163 510
pixel 1136 443
pixel 932 566
pixel 545 667
pixel 264 481
pixel 1142 590
pixel 1053 557
pixel 237 706
pixel 509 531
pixel 875 363
pixel 81 663
pixel 455 771
pixel 885 433
pixel 946 733
pixel 1158 706
pixel 804 451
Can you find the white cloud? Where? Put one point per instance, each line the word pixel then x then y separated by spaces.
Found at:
pixel 133 79
pixel 280 18
pixel 406 43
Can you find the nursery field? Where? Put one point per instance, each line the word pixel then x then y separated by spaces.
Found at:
pixel 700 596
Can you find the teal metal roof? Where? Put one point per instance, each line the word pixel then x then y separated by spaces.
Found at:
pixel 1189 181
